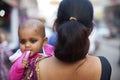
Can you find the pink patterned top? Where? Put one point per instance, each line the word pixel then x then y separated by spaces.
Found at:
pixel 17 70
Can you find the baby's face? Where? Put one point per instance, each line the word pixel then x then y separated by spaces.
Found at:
pixel 31 39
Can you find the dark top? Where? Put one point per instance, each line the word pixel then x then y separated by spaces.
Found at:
pixel 106 69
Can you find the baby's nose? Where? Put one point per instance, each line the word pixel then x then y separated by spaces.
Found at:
pixel 27 46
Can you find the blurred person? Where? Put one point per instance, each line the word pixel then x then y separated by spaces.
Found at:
pixel 94 42
pixel 52 40
pixel 71 60
pixel 5 52
pixel 32 41
pixel 3 40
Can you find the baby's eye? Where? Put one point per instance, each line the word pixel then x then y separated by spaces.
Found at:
pixel 33 40
pixel 22 41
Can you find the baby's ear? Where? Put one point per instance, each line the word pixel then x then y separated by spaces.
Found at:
pixel 45 40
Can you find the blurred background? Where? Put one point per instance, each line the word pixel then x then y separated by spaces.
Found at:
pixel 104 40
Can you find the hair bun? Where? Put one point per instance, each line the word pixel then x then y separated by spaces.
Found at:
pixel 72 18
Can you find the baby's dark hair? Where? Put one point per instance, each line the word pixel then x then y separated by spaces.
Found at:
pixel 73 42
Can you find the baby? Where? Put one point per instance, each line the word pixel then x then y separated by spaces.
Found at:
pixel 32 41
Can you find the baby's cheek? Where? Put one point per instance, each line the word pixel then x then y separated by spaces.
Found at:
pixel 22 49
pixel 38 49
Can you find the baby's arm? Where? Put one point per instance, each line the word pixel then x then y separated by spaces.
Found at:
pixel 17 69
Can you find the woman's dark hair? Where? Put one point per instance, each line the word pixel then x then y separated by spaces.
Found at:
pixel 82 10
pixel 73 42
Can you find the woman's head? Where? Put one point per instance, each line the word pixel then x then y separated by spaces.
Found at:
pixel 73 24
pixel 82 10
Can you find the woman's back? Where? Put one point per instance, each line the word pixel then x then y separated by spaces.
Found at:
pixel 86 69
pixel 71 61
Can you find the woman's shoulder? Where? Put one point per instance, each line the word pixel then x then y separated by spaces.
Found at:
pixel 90 61
pixel 93 62
pixel 91 66
pixel 88 67
pixel 45 63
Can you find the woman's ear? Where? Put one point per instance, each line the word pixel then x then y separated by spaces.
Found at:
pixel 45 40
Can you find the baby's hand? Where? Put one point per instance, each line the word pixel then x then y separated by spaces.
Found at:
pixel 25 63
pixel 18 67
pixel 25 59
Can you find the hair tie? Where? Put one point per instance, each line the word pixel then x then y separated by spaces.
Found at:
pixel 72 18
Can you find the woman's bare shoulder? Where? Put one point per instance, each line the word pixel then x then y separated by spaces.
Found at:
pixel 91 68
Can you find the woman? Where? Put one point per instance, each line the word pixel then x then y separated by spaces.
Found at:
pixel 71 60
